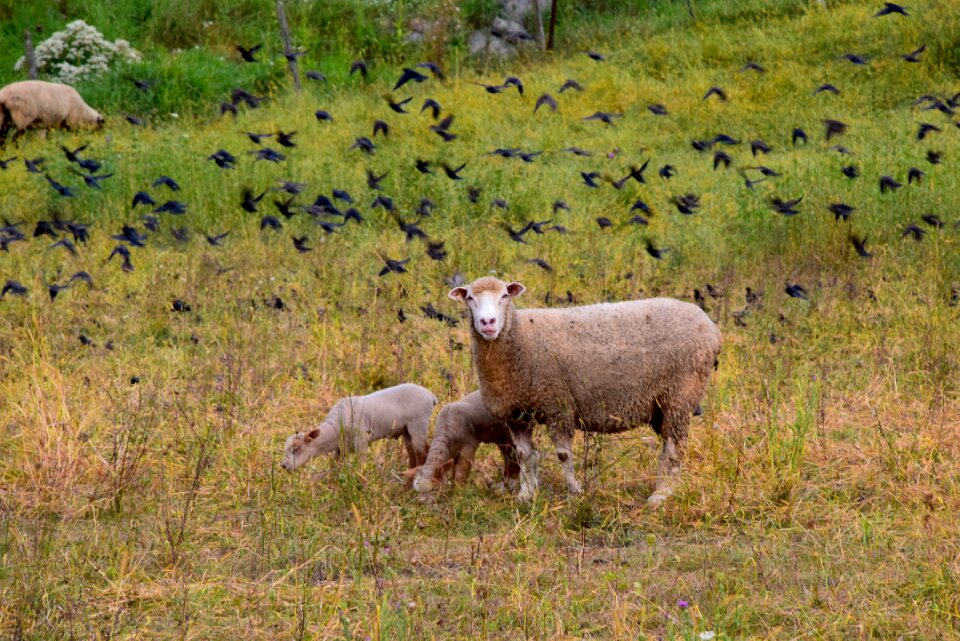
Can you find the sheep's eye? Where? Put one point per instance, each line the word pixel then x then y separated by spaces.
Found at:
pixel 469 299
pixel 505 296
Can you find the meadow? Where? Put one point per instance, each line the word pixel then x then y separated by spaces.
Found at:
pixel 142 417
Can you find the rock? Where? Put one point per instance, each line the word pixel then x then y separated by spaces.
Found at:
pixel 480 43
pixel 414 37
pixel 500 48
pixel 507 29
pixel 518 10
pixel 477 43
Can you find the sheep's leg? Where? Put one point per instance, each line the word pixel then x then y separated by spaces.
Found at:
pixel 511 467
pixel 418 441
pixel 528 458
pixel 411 452
pixel 461 471
pixel 562 440
pixel 675 428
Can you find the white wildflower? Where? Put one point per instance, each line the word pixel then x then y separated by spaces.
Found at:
pixel 78 51
pixel 707 635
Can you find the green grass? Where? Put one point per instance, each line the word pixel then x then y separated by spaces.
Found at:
pixel 820 489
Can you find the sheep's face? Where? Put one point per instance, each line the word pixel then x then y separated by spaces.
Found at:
pixel 488 299
pixel 295 450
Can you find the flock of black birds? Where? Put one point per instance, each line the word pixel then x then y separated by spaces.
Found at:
pixel 335 212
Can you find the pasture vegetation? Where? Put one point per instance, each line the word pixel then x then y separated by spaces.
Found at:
pixel 820 491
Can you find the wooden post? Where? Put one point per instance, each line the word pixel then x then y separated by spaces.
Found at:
pixel 553 24
pixel 285 35
pixel 539 16
pixel 690 11
pixel 28 56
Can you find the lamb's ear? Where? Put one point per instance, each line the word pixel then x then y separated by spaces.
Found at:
pixel 515 289
pixel 312 434
pixel 458 294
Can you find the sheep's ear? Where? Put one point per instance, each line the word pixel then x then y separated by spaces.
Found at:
pixel 515 289
pixel 458 293
pixel 312 434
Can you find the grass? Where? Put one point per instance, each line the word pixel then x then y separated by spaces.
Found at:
pixel 820 490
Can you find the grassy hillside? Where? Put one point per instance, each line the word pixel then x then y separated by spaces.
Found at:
pixel 140 488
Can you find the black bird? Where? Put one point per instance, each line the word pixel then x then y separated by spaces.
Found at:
pixel 352 214
pixel 667 172
pixel 827 87
pixel 752 66
pixel 542 264
pixel 501 203
pixel 933 220
pixel 81 275
pixel 443 129
pixel 834 128
pixel 409 75
pixel 182 234
pixel 53 289
pixel 642 206
pixel 545 99
pixel 143 85
pixel 361 66
pixel 152 223
pixel 914 56
pixel 913 231
pixel 934 157
pixel 284 207
pixel 721 158
pixel 715 91
pixel 658 110
pixel 604 222
pixel 426 207
pixel 515 82
pixel 926 128
pixel 223 158
pixel 271 222
pixel 180 306
pixel 433 68
pixel 529 156
pixel 395 266
pixel 571 84
pixel 286 139
pixel 453 173
pixel 796 291
pixel 850 171
pixel 131 235
pixel 340 194
pixel 34 166
pixel 493 89
pixel 323 116
pixel 216 240
pixel 380 126
pixel 293 188
pixel 785 207
pixel 292 56
pixel 315 75
pixel 473 193
pixel 135 120
pixel 604 117
pixel 559 204
pixel 599 57
pixel 66 244
pixel 423 166
pixel 517 236
pixel 799 134
pixel 71 155
pixel 13 287
pixel 590 178
pixel 854 58
pixel 250 202
pixel 653 250
pixel 889 183
pixel 686 204
pixel 914 174
pixel 397 106
pixel 373 180
pixel 5 163
pixel 860 244
pixel 268 154
pixel 124 253
pixel 723 139
pixel 433 106
pixel 171 207
pixel 759 147
pixel 890 8
pixel 168 181
pixel 840 211
pixel 63 190
pixel 300 243
pixel 411 230
pixel 248 54
pixel 364 144
pixel 44 228
pixel 383 201
pixel 436 250
pixel 238 96
pixel 228 108
pixel 637 219
pixel 576 151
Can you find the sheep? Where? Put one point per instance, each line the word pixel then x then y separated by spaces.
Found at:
pixel 461 427
pixel 34 103
pixel 599 368
pixel 402 411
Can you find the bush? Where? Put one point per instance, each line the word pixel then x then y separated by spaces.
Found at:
pixel 79 51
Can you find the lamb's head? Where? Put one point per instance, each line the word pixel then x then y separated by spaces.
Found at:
pixel 488 299
pixel 296 451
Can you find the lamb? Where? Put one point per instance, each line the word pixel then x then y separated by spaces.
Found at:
pixel 461 427
pixel 599 368
pixel 34 103
pixel 402 411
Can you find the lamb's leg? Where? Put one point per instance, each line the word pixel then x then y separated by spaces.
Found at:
pixel 511 467
pixel 527 456
pixel 562 439
pixel 461 471
pixel 411 453
pixel 418 441
pixel 675 428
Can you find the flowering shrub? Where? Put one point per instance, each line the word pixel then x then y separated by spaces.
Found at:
pixel 78 51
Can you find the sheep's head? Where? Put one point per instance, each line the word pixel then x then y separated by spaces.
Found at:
pixel 295 451
pixel 488 299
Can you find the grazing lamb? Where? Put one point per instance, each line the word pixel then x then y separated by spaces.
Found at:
pixel 34 103
pixel 402 411
pixel 461 427
pixel 599 368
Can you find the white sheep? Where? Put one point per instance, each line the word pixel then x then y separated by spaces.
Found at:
pixel 34 103
pixel 402 411
pixel 461 427
pixel 600 368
